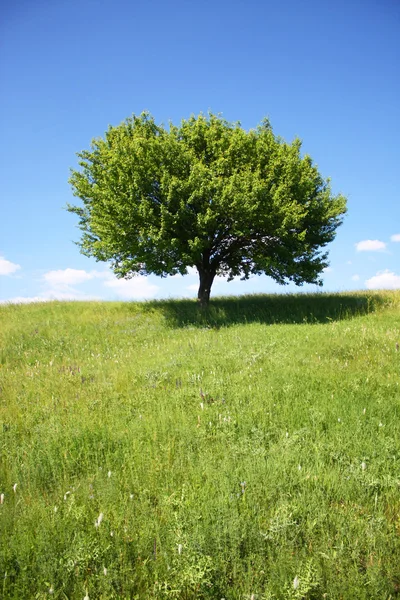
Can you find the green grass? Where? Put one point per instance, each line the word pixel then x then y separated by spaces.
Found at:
pixel 252 452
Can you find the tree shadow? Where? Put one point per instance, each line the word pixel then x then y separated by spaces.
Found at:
pixel 269 309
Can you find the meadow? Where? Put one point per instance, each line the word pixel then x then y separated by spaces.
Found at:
pixel 155 451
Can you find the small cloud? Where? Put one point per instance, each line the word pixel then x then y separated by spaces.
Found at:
pixel 395 237
pixel 327 270
pixel 193 288
pixel 386 280
pixel 7 267
pixel 50 296
pixel 370 246
pixel 60 284
pixel 356 278
pixel 70 276
pixel 22 300
pixel 137 287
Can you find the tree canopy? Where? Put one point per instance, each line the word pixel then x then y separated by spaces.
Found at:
pixel 205 194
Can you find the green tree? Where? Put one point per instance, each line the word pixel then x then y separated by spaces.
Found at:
pixel 206 194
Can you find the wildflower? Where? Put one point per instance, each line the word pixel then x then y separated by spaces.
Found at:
pixel 380 424
pixel 109 474
pixel 15 487
pixel 51 590
pixel 130 496
pixel 99 520
pixel 363 466
pixel 296 582
pixel 364 411
pixel 1 498
pixel 338 420
pixel 86 597
pixel 55 509
pixel 105 571
pixel 202 405
pixel 66 495
pixel 287 434
pixel 299 467
pixel 243 486
pixel 180 548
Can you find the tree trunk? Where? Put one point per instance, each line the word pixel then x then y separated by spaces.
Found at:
pixel 206 281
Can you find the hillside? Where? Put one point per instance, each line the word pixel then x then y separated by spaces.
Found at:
pixel 151 451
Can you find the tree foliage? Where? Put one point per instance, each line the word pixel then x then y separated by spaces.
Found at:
pixel 206 194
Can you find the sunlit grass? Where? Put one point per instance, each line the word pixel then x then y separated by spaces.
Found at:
pixel 149 450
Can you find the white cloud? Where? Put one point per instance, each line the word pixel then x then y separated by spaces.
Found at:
pixel 66 293
pixel 49 296
pixel 356 278
pixel 67 277
pixel 327 270
pixel 135 288
pixel 193 288
pixel 7 267
pixel 22 300
pixel 395 237
pixel 370 245
pixel 386 280
pixel 60 284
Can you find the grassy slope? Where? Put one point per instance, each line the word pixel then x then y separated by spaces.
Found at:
pixel 230 456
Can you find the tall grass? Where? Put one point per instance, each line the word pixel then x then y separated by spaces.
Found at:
pixel 151 450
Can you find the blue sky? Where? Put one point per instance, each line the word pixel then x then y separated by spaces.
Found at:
pixel 327 72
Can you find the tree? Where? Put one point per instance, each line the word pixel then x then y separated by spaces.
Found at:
pixel 206 194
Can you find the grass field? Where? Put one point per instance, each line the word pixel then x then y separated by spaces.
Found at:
pixel 149 450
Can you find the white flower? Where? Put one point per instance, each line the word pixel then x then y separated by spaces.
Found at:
pixel 99 520
pixel 363 466
pixel 180 548
pixel 364 411
pixel 380 424
pixel 105 571
pixel 15 487
pixel 338 420
pixel 86 597
pixel 299 467
pixel 66 495
pixel 296 582
pixel 1 498
pixel 109 474
pixel 131 496
pixel 55 509
pixel 51 590
pixel 202 405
